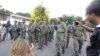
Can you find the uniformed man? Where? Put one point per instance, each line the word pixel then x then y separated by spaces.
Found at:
pixel 46 32
pixel 23 30
pixel 31 33
pixel 41 34
pixel 60 37
pixel 68 34
pixel 0 32
pixel 77 38
pixel 44 29
pixel 19 28
pixel 14 30
pixel 52 31
pixel 36 31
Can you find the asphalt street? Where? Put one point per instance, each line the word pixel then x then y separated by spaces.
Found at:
pixel 47 50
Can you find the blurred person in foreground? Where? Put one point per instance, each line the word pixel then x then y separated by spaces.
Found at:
pixel 93 15
pixel 21 47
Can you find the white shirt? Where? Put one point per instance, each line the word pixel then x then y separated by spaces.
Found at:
pixel 0 29
pixel 98 25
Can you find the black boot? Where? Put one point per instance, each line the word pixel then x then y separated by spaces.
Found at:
pixel 58 53
pixel 76 53
pixel 63 50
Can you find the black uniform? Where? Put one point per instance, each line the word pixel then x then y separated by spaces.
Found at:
pixel 94 48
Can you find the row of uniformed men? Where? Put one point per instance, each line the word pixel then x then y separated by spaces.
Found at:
pixel 40 32
pixel 43 32
pixel 64 32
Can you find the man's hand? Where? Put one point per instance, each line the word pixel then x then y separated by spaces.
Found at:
pixel 80 24
pixel 85 27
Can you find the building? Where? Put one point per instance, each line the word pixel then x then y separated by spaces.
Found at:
pixel 18 18
pixel 14 17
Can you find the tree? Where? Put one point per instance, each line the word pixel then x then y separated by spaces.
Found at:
pixel 71 18
pixel 40 13
pixel 79 18
pixel 65 17
pixel 95 1
pixel 53 20
pixel 4 14
pixel 8 13
pixel 68 18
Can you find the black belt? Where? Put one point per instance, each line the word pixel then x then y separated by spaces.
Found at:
pixel 60 32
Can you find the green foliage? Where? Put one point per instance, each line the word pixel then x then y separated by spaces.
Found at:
pixel 4 13
pixel 95 1
pixel 79 18
pixel 72 18
pixel 53 20
pixel 40 13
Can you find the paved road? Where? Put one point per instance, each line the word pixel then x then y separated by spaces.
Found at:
pixel 47 50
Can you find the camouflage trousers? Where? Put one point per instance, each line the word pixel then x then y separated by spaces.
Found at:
pixel 23 35
pixel 50 36
pixel 46 38
pixel 31 37
pixel 41 39
pixel 77 43
pixel 0 37
pixel 60 42
pixel 15 35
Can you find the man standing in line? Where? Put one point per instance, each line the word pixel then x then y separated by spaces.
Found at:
pixel 19 28
pixel 46 32
pixel 60 37
pixel 68 34
pixel 31 33
pixel 14 30
pixel 41 34
pixel 23 30
pixel 78 33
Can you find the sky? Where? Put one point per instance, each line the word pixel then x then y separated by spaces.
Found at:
pixel 56 8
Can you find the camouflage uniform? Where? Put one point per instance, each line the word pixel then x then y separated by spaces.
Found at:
pixel 51 32
pixel 19 28
pixel 14 31
pixel 60 37
pixel 23 30
pixel 77 39
pixel 36 32
pixel 46 33
pixel 68 34
pixel 31 33
pixel 41 37
pixel 0 32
